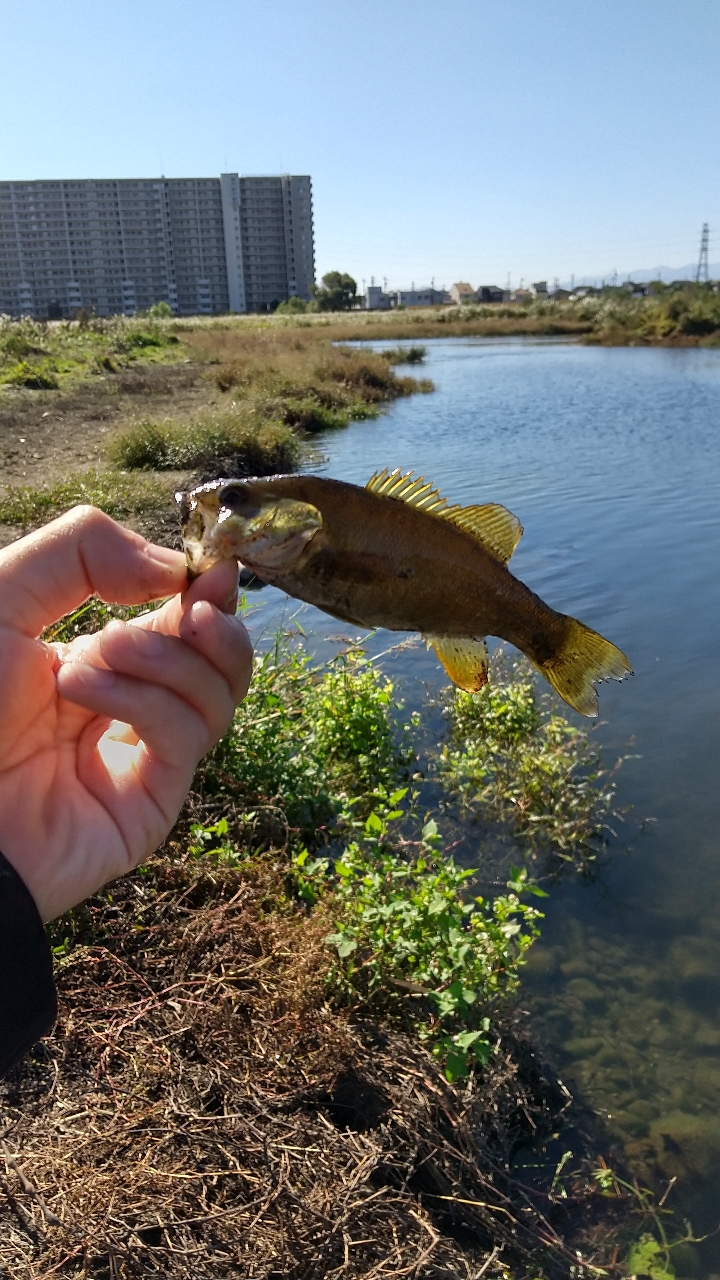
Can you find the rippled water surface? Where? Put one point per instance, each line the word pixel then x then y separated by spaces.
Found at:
pixel 610 459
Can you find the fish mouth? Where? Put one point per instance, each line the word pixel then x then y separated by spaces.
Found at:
pixel 198 517
pixel 238 519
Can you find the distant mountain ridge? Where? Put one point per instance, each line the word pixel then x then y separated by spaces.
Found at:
pixel 641 274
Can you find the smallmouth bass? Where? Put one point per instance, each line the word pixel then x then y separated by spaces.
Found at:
pixel 397 555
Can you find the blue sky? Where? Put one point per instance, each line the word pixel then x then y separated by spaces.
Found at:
pixel 454 139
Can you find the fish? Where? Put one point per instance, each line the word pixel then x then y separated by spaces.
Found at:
pixel 398 555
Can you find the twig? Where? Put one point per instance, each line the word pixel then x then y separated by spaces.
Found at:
pixel 51 1218
pixel 488 1261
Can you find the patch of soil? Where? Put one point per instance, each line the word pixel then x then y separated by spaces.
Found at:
pixel 44 435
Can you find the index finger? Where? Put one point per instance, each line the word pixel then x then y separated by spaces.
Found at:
pixel 82 553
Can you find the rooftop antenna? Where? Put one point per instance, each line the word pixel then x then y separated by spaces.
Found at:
pixel 614 277
pixel 384 284
pixel 702 272
pixel 507 286
pixel 572 282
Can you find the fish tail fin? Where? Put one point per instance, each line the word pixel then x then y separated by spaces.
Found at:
pixel 582 658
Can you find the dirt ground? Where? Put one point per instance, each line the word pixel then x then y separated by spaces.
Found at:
pixel 44 435
pixel 47 435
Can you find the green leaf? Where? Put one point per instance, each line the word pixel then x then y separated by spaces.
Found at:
pixel 343 869
pixel 648 1258
pixel 456 1064
pixel 466 1038
pixel 346 947
pixel 373 823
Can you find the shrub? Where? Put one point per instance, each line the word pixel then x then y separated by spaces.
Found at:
pixel 293 306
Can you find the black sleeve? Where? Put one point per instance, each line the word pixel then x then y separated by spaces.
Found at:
pixel 28 1002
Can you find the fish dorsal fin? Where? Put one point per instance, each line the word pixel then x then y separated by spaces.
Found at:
pixel 494 526
pixel 464 659
pixel 491 525
pixel 417 493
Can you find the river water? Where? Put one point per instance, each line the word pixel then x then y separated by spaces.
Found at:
pixel 609 457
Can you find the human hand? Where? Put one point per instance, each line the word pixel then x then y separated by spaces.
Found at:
pixel 99 739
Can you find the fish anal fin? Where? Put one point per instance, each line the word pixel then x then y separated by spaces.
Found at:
pixel 464 658
pixel 496 528
pixel 493 526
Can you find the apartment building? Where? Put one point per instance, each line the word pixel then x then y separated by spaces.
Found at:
pixel 114 246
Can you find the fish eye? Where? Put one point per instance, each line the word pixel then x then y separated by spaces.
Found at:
pixel 232 497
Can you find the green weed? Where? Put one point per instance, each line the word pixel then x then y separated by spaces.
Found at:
pixel 304 742
pixel 511 756
pixel 34 376
pixel 411 938
pixel 41 355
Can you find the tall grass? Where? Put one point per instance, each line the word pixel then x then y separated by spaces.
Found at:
pixel 224 440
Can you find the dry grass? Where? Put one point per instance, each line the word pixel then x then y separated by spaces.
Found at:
pixel 199 1111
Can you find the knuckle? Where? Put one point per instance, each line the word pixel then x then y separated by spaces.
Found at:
pixel 88 518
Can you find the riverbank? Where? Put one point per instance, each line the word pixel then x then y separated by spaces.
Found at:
pixel 243 1087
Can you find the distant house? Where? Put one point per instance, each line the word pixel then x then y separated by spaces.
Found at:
pixel 491 293
pixel 635 289
pixel 419 297
pixel 376 299
pixel 587 291
pixel 462 292
pixel 522 295
pixel 560 295
pixel 540 289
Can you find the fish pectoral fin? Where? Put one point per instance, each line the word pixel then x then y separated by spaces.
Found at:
pixel 494 527
pixel 465 659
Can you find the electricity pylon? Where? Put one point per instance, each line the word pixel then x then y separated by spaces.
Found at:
pixel 703 269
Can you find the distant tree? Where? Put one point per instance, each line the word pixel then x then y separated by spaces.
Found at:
pixel 161 310
pixel 338 292
pixel 293 306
